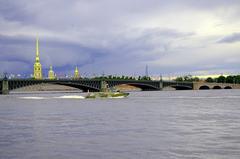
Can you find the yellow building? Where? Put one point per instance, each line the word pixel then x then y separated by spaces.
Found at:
pixel 51 74
pixel 37 65
pixel 76 73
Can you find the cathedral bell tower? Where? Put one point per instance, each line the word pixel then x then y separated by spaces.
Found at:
pixel 51 74
pixel 76 73
pixel 37 65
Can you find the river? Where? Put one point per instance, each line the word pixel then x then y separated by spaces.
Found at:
pixel 146 125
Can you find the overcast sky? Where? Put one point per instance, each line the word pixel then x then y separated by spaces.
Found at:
pixel 172 37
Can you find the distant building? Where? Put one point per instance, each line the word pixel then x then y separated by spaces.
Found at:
pixel 76 73
pixel 37 72
pixel 51 74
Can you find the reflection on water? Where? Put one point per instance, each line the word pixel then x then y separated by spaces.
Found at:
pixel 171 124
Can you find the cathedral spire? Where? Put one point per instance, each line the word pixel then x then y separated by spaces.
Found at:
pixel 37 51
pixel 37 72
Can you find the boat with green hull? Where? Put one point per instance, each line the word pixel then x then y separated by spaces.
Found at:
pixel 106 93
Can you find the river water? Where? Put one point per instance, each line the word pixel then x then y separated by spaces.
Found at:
pixel 146 125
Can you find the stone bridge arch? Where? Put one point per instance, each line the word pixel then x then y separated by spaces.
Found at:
pixel 201 85
pixel 216 87
pixel 204 87
pixel 228 87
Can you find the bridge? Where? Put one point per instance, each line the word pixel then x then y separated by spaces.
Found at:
pixel 92 85
pixel 95 85
pixel 204 86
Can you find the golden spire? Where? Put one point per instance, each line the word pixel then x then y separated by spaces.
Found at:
pixel 37 51
pixel 37 73
pixel 76 73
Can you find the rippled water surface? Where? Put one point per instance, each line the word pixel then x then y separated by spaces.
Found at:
pixel 146 125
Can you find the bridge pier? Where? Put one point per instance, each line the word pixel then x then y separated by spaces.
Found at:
pixel 103 86
pixel 160 85
pixel 5 87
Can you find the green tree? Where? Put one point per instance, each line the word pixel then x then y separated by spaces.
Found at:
pixel 209 79
pixel 188 78
pixel 230 79
pixel 237 79
pixel 179 79
pixel 195 79
pixel 221 79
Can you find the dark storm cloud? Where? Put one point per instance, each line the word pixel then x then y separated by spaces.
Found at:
pixel 117 36
pixel 231 38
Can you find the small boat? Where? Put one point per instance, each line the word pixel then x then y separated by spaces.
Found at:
pixel 106 93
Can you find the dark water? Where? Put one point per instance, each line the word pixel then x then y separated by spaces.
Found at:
pixel 146 125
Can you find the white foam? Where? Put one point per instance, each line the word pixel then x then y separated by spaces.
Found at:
pixel 71 97
pixel 32 97
pixel 117 97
